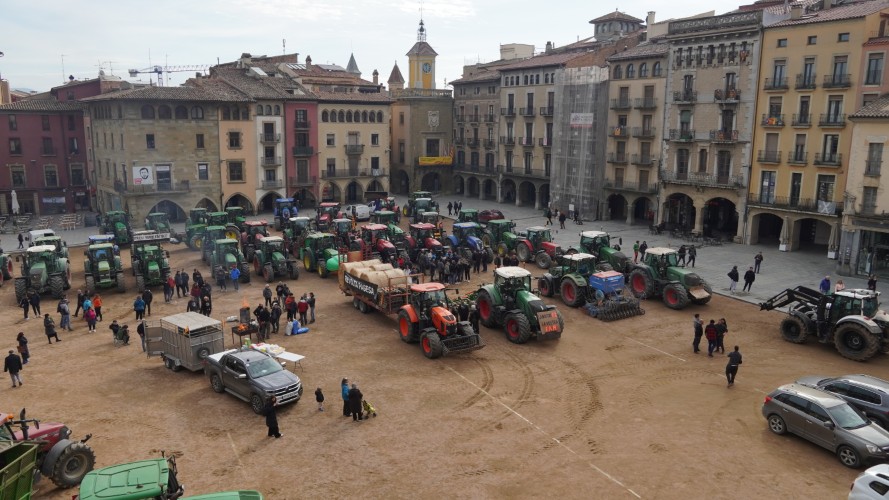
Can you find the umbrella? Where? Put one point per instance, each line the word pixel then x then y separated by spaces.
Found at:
pixel 832 241
pixel 785 231
pixel 15 203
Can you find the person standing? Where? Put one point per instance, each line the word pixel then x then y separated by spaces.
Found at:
pixel 311 301
pixel 839 287
pixel 147 296
pixel 97 305
pixel 642 249
pixel 23 347
pixel 49 328
pixel 562 218
pixel 548 213
pixel 344 390
pixel 139 307
pixel 265 317
pixel 721 330
pixel 473 317
pixel 178 281
pixel 21 241
pixel 681 255
pixel 141 331
pixel 275 316
pixel 699 332
pixel 168 289
pixel 636 252
pixel 25 305
pixel 824 286
pixel 13 365
pixel 734 277
pixel 271 417
pixel 197 278
pixel 267 295
pixel 279 290
pixel 80 297
pixel 65 312
pixel 710 333
pixel 219 274
pixel 450 208
pixel 872 283
pixel 184 281
pixel 319 397
pixel 34 299
pixel 303 307
pixel 206 305
pixel 89 315
pixel 692 255
pixel 235 275
pixel 749 278
pixel 757 261
pixel 355 398
pixel 731 369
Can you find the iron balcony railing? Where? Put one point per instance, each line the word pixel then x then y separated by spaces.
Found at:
pixel 272 183
pixel 473 143
pixel 271 161
pixel 828 159
pixel 787 202
pixel 526 111
pixel 508 141
pixel 526 141
pixel 682 135
pixel 460 118
pixel 489 118
pixel 726 95
pixel 620 103
pixel 489 143
pixel 507 111
pixel 620 131
pixel 645 103
pixel 642 160
pixel 620 158
pixel 352 172
pixel 269 138
pixel 702 179
pixel 775 84
pixel 837 81
pixel 770 120
pixel 354 149
pixel 301 181
pixel 686 95
pixel 303 150
pixel 768 156
pixel 302 125
pixel 546 111
pixel 832 120
pixel 804 120
pixel 546 142
pixel 798 157
pixel 644 133
pixel 632 186
pixel 805 82
pixel 872 167
pixel 724 136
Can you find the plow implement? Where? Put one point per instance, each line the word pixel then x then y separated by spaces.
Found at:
pixel 615 306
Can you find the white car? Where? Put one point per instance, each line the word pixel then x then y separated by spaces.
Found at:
pixel 871 484
pixel 361 212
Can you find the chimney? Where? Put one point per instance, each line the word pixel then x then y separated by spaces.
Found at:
pixel 826 4
pixel 549 46
pixel 649 19
pixel 308 62
pixel 376 77
pixel 796 11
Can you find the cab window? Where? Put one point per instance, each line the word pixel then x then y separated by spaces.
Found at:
pixel 818 412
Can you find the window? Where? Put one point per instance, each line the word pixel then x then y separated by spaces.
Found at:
pixel 348 117
pixel 808 76
pixel 50 176
pixel 71 123
pixel 277 110
pixel 778 73
pixel 45 122
pixel 15 146
pixel 702 161
pixel 401 152
pixel 774 109
pixel 235 171
pixel 868 206
pixel 236 112
pixel 401 118
pixel 149 141
pixel 616 72
pixel 782 42
pixel 18 176
pixel 331 139
pixel 812 40
pixel 181 113
pixel 834 109
pixel 112 141
pixel 874 158
pixel 374 139
pixel 164 112
pixel 48 149
pixel 226 113
pixel 77 178
pixel 868 98
pixel 199 141
pixel 874 74
pixel 234 140
pixel 656 69
pixel 643 70
pixel 72 145
pixel 682 164
pixel 843 37
pixel 631 71
pixel 197 113
pixel 13 123
pixel 826 185
pixel 341 116
pixel 829 148
pixel 302 117
pixel 147 112
pixel 379 117
pixel 331 167
pixel 121 141
pixel 325 117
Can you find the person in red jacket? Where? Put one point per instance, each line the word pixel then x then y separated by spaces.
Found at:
pixel 711 333
pixel 303 307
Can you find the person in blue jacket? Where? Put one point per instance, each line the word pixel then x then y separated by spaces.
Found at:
pixel 344 386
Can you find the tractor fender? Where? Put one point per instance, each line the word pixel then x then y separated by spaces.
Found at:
pixel 577 279
pixel 411 313
pixel 475 243
pixel 494 293
pixel 528 244
pixel 53 455
pixel 451 239
pixel 870 324
pixel 411 242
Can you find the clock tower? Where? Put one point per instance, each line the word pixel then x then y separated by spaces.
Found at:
pixel 421 62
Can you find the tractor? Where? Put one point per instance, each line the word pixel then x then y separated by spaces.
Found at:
pixel 465 240
pixel 659 275
pixel 117 222
pixel 320 253
pixel 160 222
pixel 5 267
pixel 56 241
pixel 500 235
pixel 208 241
pixel 427 318
pixel 508 302
pixel 408 208
pixel 598 243
pixel 343 230
pixel 151 264
pixel 236 217
pixel 396 234
pixel 421 206
pixel 195 227
pixel 327 212
pixel 102 268
pixel 283 210
pixel 422 237
pixel 374 240
pixel 251 230
pixel 42 271
pixel 227 255
pixel 271 260
pixel 433 218
pixel 294 232
pixel 575 278
pixel 468 215
pixel 536 243
pixel 850 319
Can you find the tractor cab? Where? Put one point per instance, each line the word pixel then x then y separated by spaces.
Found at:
pixel 327 212
pixel 463 230
pixel 254 228
pixel 591 241
pixel 236 215
pixel 580 263
pixel 428 295
pixel 197 216
pixel 226 246
pixel 373 232
pixel 385 217
pixel 467 215
pixel 158 221
pixel 39 253
pixel 420 194
pixel 285 207
pixel 299 225
pixel 318 242
pixel 853 302
pixel 56 241
pixel 499 227
pixel 422 232
pixel 272 244
pixel 217 218
pixel 422 205
pixel 661 258
pixel 100 252
pixel 538 235
pixel 511 280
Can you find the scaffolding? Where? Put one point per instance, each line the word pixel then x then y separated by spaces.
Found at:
pixel 580 133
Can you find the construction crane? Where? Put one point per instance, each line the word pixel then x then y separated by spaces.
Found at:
pixel 160 70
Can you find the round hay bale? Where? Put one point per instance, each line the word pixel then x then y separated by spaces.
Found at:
pixel 381 267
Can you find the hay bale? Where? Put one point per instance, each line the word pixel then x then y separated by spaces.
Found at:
pixel 354 268
pixel 381 267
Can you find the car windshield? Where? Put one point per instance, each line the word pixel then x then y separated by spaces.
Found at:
pixel 263 367
pixel 846 417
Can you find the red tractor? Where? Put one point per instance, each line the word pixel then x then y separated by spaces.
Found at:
pixel 537 244
pixel 327 212
pixel 374 241
pixel 252 229
pixel 422 237
pixel 64 461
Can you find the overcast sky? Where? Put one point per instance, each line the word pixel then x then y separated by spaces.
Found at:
pixel 37 35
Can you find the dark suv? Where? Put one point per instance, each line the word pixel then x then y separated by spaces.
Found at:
pixel 868 394
pixel 827 421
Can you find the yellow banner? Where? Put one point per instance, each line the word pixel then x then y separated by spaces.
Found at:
pixel 435 160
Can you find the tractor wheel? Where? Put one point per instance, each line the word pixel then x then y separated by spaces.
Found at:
pixel 855 342
pixel 249 253
pixel 545 285
pixel 502 249
pixel 486 239
pixel 431 344
pixel 572 295
pixel 675 296
pixel 21 289
pixel 216 384
pixel 292 271
pixel 543 260
pixel 407 329
pixel 245 272
pixel 323 271
pixel 268 274
pixel 232 233
pixel 518 329
pixel 257 404
pixel 641 283
pixel 277 223
pixel 489 255
pixel 57 286
pixel 121 284
pixel 363 307
pixel 701 302
pixel 794 330
pixel 91 284
pixel 486 313
pixel 257 266
pixel 72 465
pixel 140 283
pixel 523 252
pixel 308 263
pixel 196 242
pixel 136 265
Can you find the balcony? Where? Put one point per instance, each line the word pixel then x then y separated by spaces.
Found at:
pixel 872 168
pixel 526 111
pixel 723 136
pixel 303 125
pixel 686 96
pixel 47 151
pixel 507 111
pixel 702 179
pixel 645 103
pixel 301 181
pixel 632 186
pixel 832 120
pixel 271 161
pixel 727 96
pixel 775 84
pixel 340 173
pixel 460 118
pixel 546 142
pixel 537 173
pixel 164 187
pixel 303 150
pixel 829 159
pixel 837 81
pixel 473 143
pixel 272 184
pixel 459 141
pixel 768 156
pixel 507 141
pixel 682 135
pixel 619 132
pixel 546 111
pixel 620 104
pixel 354 149
pixel 618 158
pixel 642 160
pixel 801 121
pixel 489 143
pixel 526 142
pixel 489 118
pixel 805 82
pixel 798 158
pixel 488 170
pixel 473 118
pixel 869 210
pixel 789 203
pixel 269 138
pixel 772 121
pixel 644 133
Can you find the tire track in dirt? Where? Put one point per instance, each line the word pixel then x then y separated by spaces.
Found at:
pixel 487 383
pixel 527 384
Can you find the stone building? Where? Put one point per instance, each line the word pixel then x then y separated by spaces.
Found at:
pixel 477 119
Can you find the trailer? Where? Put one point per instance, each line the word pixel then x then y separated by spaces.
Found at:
pixel 184 340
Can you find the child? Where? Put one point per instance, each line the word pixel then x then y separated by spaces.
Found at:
pixel 319 397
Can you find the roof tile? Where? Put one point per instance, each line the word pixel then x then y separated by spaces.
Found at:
pixel 42 105
pixel 837 13
pixel 875 109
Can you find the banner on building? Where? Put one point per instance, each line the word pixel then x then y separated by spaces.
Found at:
pixel 582 120
pixel 426 161
pixel 143 175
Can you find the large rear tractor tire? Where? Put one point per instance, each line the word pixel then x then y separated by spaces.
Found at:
pixel 140 283
pixel 675 296
pixel 855 342
pixel 641 284
pixel 523 252
pixel 572 295
pixel 431 344
pixel 121 283
pixel 487 315
pixel 268 273
pixel 794 330
pixel 196 242
pixel 232 232
pixel 309 262
pixel 546 286
pixel 21 289
pixel 57 286
pixel 502 249
pixel 489 255
pixel 245 272
pixel 91 284
pixel 518 329
pixel 543 260
pixel 408 330
pixel 73 464
pixel 323 271
pixel 292 271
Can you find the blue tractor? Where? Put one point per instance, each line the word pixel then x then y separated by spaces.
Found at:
pixel 284 209
pixel 465 238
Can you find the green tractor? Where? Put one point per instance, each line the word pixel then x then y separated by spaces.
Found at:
pixel 208 241
pixel 501 236
pixel 43 270
pixel 283 210
pixel 396 234
pixel 409 208
pixel 421 206
pixel 227 255
pixel 577 280
pixel 224 219
pixel 195 227
pixel 343 231
pixel 659 275
pixel 271 260
pixel 151 264
pixel 609 258
pixel 5 267
pixel 509 303
pixel 56 241
pixel 117 222
pixel 295 230
pixel 160 222
pixel 468 215
pixel 236 217
pixel 320 253
pixel 103 268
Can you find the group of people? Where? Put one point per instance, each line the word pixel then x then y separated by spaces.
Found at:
pixel 454 208
pixel 560 215
pixel 715 333
pixel 449 267
pixel 299 312
pixel 734 276
pixel 15 363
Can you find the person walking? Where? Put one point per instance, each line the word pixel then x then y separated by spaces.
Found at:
pixel 757 261
pixel 271 417
pixel 147 297
pixel 267 295
pixel 721 330
pixel 139 307
pixel 311 301
pixel 681 255
pixel 562 218
pixel 23 347
pixel 178 281
pixel 13 365
pixel 731 369
pixel 319 397
pixel 344 389
pixel 275 316
pixel 49 328
pixel 355 398
pixel 21 241
pixel 25 305
pixel 279 290
pixel 220 277
pixel 734 277
pixel 89 315
pixel 80 297
pixel 34 300
pixel 206 305
pixel 642 249
pixel 636 252
pixel 184 283
pixel 710 333
pixel 265 317
pixel 749 278
pixel 235 276
pixel 699 332
pixel 97 306
pixel 450 208
pixel 548 213
pixel 872 283
pixel 65 312
pixel 197 278
pixel 824 286
pixel 692 255
pixel 114 327
pixel 168 289
pixel 141 331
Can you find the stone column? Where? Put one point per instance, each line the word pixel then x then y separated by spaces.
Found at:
pixel 630 216
pixel 699 219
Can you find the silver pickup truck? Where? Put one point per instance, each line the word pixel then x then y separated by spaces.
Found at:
pixel 252 376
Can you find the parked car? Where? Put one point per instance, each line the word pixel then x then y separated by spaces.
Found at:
pixel 827 421
pixel 488 215
pixel 872 484
pixel 361 212
pixel 869 394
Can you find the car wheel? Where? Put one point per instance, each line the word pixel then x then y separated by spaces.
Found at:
pixel 777 425
pixel 849 457
pixel 257 404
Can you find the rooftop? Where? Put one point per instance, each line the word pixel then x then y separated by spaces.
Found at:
pixel 616 16
pixel 192 94
pixel 541 61
pixel 876 109
pixel 641 51
pixel 836 13
pixel 42 105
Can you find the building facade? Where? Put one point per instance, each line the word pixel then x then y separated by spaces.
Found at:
pixel 476 137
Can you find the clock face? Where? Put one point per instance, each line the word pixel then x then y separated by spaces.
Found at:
pixel 427 67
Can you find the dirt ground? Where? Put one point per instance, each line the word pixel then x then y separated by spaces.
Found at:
pixel 612 410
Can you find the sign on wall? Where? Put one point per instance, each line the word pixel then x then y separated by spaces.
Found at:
pixel 582 120
pixel 143 175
